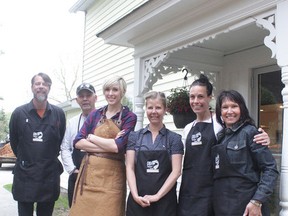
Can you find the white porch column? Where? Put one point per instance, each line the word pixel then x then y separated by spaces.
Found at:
pixel 284 158
pixel 138 93
pixel 139 111
pixel 282 60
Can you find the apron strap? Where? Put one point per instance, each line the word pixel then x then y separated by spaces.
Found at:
pixel 81 177
pixel 117 122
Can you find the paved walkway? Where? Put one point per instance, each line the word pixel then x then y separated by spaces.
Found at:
pixel 8 205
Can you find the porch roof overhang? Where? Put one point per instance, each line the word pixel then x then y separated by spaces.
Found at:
pixel 161 25
pixel 81 5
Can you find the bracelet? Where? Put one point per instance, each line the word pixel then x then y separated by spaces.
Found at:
pixel 256 203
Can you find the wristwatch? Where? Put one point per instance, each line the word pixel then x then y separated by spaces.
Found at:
pixel 256 203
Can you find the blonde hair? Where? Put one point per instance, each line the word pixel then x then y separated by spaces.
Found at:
pixel 155 95
pixel 115 80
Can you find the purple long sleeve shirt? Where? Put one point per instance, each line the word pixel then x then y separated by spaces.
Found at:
pixel 128 119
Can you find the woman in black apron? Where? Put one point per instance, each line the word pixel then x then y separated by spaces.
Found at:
pixel 195 196
pixel 153 162
pixel 245 173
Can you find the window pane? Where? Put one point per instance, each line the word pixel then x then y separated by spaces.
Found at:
pixel 271 107
pixel 270 117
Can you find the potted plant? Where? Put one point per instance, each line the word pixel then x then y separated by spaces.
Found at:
pixel 178 105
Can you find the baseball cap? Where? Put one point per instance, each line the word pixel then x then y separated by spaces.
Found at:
pixel 85 86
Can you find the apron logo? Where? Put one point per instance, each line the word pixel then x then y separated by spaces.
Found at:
pixel 217 161
pixel 196 139
pixel 37 136
pixel 152 166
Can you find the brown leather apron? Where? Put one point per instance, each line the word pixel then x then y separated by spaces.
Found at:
pixel 101 184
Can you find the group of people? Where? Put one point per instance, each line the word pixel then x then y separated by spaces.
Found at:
pixel 227 167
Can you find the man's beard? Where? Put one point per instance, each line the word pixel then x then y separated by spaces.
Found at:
pixel 40 98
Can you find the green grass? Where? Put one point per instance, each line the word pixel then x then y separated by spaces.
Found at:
pixel 8 187
pixel 61 205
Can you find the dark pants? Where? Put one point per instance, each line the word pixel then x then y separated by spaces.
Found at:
pixel 42 208
pixel 71 184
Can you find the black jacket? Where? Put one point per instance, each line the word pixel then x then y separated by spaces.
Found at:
pixel 243 159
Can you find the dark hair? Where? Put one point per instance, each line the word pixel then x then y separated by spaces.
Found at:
pixel 44 76
pixel 237 98
pixel 203 81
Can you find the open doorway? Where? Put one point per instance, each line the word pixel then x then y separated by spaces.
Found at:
pixel 270 105
pixel 268 87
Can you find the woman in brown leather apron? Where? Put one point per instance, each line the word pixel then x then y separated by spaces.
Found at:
pixel 101 184
pixel 154 159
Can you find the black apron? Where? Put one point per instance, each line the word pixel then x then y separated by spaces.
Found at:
pixel 37 170
pixel 195 197
pixel 230 186
pixel 151 170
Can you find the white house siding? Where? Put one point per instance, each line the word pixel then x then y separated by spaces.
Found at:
pixel 101 60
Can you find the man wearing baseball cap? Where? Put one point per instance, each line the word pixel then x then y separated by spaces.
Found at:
pixel 71 158
pixel 85 86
